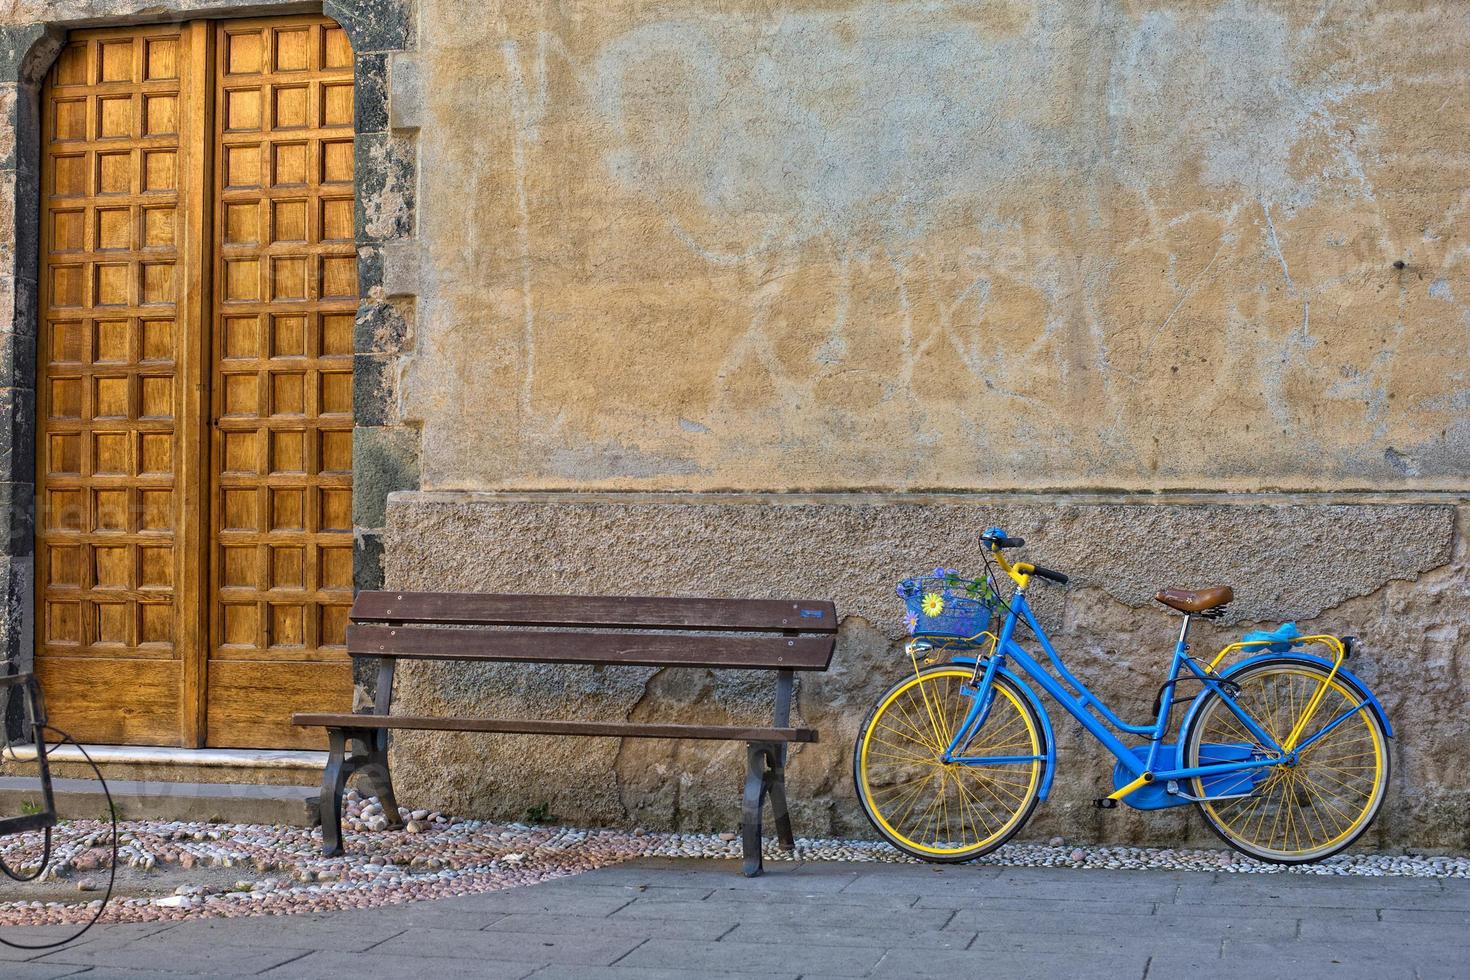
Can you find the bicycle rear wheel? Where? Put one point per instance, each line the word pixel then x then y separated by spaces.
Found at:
pixel 1317 807
pixel 947 812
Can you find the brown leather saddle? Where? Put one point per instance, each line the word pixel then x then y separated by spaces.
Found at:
pixel 1197 600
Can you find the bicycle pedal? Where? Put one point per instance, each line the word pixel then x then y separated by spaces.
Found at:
pixel 1103 803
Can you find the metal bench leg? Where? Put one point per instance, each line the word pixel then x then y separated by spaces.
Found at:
pixel 776 780
pixel 757 786
pixel 378 781
pixel 334 783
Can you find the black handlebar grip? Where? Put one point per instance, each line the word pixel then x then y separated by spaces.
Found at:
pixel 1047 573
pixel 1008 542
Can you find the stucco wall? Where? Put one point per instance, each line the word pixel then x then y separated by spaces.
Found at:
pixel 1393 574
pixel 908 245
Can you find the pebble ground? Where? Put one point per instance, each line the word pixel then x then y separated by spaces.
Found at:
pixel 439 857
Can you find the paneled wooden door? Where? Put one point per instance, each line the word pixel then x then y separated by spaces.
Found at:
pixel 198 281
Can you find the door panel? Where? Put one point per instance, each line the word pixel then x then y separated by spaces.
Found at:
pixel 113 374
pixel 194 539
pixel 285 300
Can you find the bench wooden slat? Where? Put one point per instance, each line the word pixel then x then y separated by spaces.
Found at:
pixel 631 612
pixel 524 726
pixel 628 649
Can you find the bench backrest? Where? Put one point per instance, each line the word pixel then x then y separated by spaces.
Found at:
pixel 775 634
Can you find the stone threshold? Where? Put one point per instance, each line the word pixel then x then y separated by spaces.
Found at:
pixel 152 799
pixel 165 755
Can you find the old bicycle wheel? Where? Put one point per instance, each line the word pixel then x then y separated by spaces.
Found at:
pixel 941 811
pixel 1321 804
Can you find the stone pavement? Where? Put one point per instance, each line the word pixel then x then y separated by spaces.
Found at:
pixel 669 918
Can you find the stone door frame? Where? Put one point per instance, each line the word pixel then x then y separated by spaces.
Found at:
pixel 385 453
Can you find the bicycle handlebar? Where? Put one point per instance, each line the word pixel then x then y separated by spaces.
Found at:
pixel 1047 573
pixel 998 540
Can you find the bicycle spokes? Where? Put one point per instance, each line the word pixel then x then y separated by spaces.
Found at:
pixel 1325 797
pixel 945 809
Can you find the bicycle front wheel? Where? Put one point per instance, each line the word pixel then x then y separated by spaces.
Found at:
pixel 1317 807
pixel 948 812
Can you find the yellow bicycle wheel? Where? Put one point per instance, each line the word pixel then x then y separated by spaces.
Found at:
pixel 1321 804
pixel 941 811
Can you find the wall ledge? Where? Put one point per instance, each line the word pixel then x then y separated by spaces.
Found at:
pixel 1320 498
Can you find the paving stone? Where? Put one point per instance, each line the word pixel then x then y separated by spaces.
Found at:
pixel 865 899
pixel 697 957
pixel 829 868
pixel 343 931
pixel 182 953
pixel 102 934
pixel 1391 933
pixel 1038 906
pixel 121 973
pixel 40 971
pixel 390 920
pixel 331 965
pixel 538 898
pixel 815 914
pixel 1041 939
pixel 896 936
pixel 1404 893
pixel 1339 959
pixel 1244 910
pixel 644 973
pixel 496 946
pixel 1453 916
pixel 1013 965
pixel 720 875
pixel 1105 887
pixel 1168 964
pixel 1103 922
pixel 567 888
pixel 646 928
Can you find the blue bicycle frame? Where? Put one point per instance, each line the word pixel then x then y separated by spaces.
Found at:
pixel 1081 703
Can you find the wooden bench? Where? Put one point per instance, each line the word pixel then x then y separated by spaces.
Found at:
pixel 778 635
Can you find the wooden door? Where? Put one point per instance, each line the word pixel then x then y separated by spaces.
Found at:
pixel 118 613
pixel 285 298
pixel 152 390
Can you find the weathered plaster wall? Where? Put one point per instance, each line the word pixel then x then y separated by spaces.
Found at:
pixel 1394 575
pixel 943 244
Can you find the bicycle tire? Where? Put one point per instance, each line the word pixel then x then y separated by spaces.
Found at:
pixel 1013 707
pixel 1292 798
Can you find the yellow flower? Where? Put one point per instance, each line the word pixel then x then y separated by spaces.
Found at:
pixel 933 604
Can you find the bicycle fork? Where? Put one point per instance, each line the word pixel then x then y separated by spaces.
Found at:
pixel 982 694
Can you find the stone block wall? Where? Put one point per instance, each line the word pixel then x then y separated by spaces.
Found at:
pixel 1394 574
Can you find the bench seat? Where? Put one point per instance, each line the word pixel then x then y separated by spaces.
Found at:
pixel 526 726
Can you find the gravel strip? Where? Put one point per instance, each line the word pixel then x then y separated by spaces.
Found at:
pixel 438 857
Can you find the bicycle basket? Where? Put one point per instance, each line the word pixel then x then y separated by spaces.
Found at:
pixel 946 603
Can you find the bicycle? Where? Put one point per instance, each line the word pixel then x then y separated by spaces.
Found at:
pixel 1285 753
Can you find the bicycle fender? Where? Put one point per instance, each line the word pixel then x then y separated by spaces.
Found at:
pixel 1322 662
pixel 1046 729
